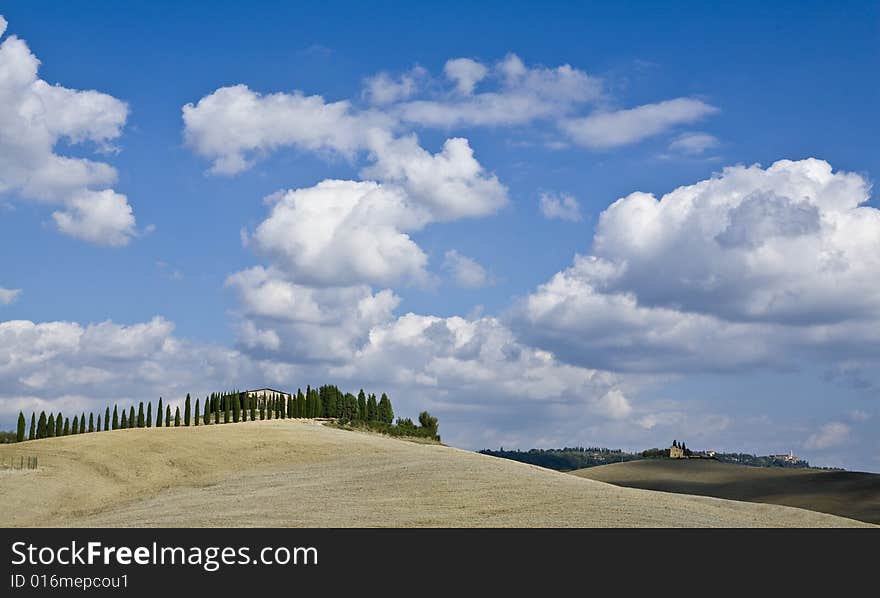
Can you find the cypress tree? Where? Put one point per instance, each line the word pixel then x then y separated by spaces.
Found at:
pixel 177 417
pixel 268 407
pixel 19 435
pixel 74 429
pixel 82 422
pixel 33 429
pixel 187 411
pixel 372 408
pixel 66 426
pixel 206 419
pixel 41 425
pixel 50 426
pixel 98 427
pixel 319 405
pixel 301 399
pixel 131 420
pixel 91 422
pixel 123 424
pixel 226 407
pixel 236 409
pixel 253 404
pixel 196 412
pixel 141 422
pixel 262 410
pixel 115 418
pixel 167 415
pixel 289 407
pixel 59 425
pixel 386 413
pixel 159 414
pixel 107 419
pixel 362 406
pixel 149 414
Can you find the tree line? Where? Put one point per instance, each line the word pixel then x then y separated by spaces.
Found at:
pixel 226 407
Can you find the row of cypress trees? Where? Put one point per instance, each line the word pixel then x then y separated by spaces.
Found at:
pixel 223 407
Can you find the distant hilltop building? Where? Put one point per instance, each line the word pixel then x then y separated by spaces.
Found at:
pixel 677 451
pixel 267 393
pixel 789 458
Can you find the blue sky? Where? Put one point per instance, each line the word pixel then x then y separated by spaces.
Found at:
pixel 755 84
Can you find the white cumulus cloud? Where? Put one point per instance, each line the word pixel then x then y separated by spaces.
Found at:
pixel 36 116
pixel 752 268
pixel 465 271
pixel 622 127
pixel 561 206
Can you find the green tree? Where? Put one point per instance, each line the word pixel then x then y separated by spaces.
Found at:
pixel 82 422
pixel 107 419
pixel 372 409
pixel 385 412
pixel 262 409
pixel 74 429
pixel 115 418
pixel 123 424
pixel 196 413
pixel 50 426
pixel 33 429
pixel 159 414
pixel 141 422
pixel 362 406
pixel 66 426
pixel 149 414
pixel 206 418
pixel 167 415
pixel 98 425
pixel 289 407
pixel 300 407
pixel 177 417
pixel 236 409
pixel 253 404
pixel 19 435
pixel 187 411
pixel 41 425
pixel 131 420
pixel 59 425
pixel 428 421
pixel 91 422
pixel 227 407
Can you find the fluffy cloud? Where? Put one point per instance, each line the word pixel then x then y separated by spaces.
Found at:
pixel 102 217
pixel 384 89
pixel 622 127
pixel 294 323
pixel 8 296
pixel 234 125
pixel 523 95
pixel 451 184
pixel 828 436
pixel 35 118
pixel 560 207
pixel 693 144
pixel 465 271
pixel 343 233
pixel 753 267
pixel 65 365
pixel 465 73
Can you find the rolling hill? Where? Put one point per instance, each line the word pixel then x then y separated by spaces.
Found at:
pixel 300 473
pixel 846 493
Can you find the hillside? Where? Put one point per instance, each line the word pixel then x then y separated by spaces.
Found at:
pixel 299 473
pixel 845 493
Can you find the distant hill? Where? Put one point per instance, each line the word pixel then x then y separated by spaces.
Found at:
pixel 299 473
pixel 846 493
pixel 565 459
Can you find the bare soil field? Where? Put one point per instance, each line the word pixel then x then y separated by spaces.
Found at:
pixel 299 473
pixel 846 493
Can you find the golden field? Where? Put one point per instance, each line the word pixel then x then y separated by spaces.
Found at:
pixel 301 473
